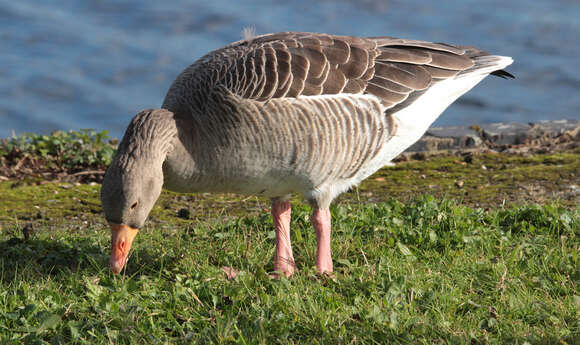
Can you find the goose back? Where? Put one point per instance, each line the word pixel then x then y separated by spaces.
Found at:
pixel 293 64
pixel 310 113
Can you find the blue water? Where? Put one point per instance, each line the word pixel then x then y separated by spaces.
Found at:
pixel 94 64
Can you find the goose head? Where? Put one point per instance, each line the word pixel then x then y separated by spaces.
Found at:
pixel 133 181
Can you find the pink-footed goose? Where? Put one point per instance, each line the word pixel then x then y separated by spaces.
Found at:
pixel 286 113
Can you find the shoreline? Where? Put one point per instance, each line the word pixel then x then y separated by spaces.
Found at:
pixel 514 137
pixel 542 169
pixel 30 156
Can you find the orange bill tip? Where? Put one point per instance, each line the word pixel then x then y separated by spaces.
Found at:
pixel 121 240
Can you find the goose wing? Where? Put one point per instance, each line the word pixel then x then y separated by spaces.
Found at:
pixel 295 64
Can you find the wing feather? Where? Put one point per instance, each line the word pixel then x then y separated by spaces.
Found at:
pixel 294 64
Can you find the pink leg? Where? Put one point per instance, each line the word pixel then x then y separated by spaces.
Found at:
pixel 283 260
pixel 321 221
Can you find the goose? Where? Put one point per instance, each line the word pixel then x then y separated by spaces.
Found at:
pixel 284 113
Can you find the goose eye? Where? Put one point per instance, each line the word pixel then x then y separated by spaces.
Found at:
pixel 134 205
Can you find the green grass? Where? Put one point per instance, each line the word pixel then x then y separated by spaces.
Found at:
pixel 420 272
pixel 490 179
pixel 472 265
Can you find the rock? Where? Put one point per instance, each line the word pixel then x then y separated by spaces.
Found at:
pixel 506 133
pixel 447 138
pixel 27 231
pixel 463 136
pixel 519 133
pixel 431 143
pixel 468 157
pixel 554 128
pixel 184 213
pixel 491 135
pixel 420 156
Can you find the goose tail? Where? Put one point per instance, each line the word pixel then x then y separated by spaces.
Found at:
pixel 489 64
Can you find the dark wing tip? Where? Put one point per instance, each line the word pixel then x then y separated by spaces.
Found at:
pixel 503 74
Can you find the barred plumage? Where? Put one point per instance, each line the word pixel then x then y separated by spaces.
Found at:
pixel 286 113
pixel 287 86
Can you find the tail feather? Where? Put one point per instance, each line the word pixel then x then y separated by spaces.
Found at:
pixel 503 74
pixel 489 64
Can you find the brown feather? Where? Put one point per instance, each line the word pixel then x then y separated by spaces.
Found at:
pixel 338 53
pixel 311 42
pixel 260 72
pixel 440 73
pixel 357 63
pixel 384 94
pixel 284 69
pixel 271 73
pixel 284 88
pixel 250 77
pixel 411 76
pixel 369 73
pixel 241 76
pixel 450 61
pixel 354 86
pixel 315 58
pixel 335 82
pixel 404 55
pixel 312 90
pixel 318 81
pixel 390 85
pixel 300 66
pixel 290 64
pixel 359 42
pixel 403 43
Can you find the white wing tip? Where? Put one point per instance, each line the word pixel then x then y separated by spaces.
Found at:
pixel 504 61
pixel 486 64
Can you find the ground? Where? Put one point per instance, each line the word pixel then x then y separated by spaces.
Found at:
pixel 486 180
pixel 470 248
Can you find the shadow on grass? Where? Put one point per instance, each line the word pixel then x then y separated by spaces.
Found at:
pixel 146 262
pixel 21 259
pixel 36 259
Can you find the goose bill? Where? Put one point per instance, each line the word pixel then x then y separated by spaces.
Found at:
pixel 121 239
